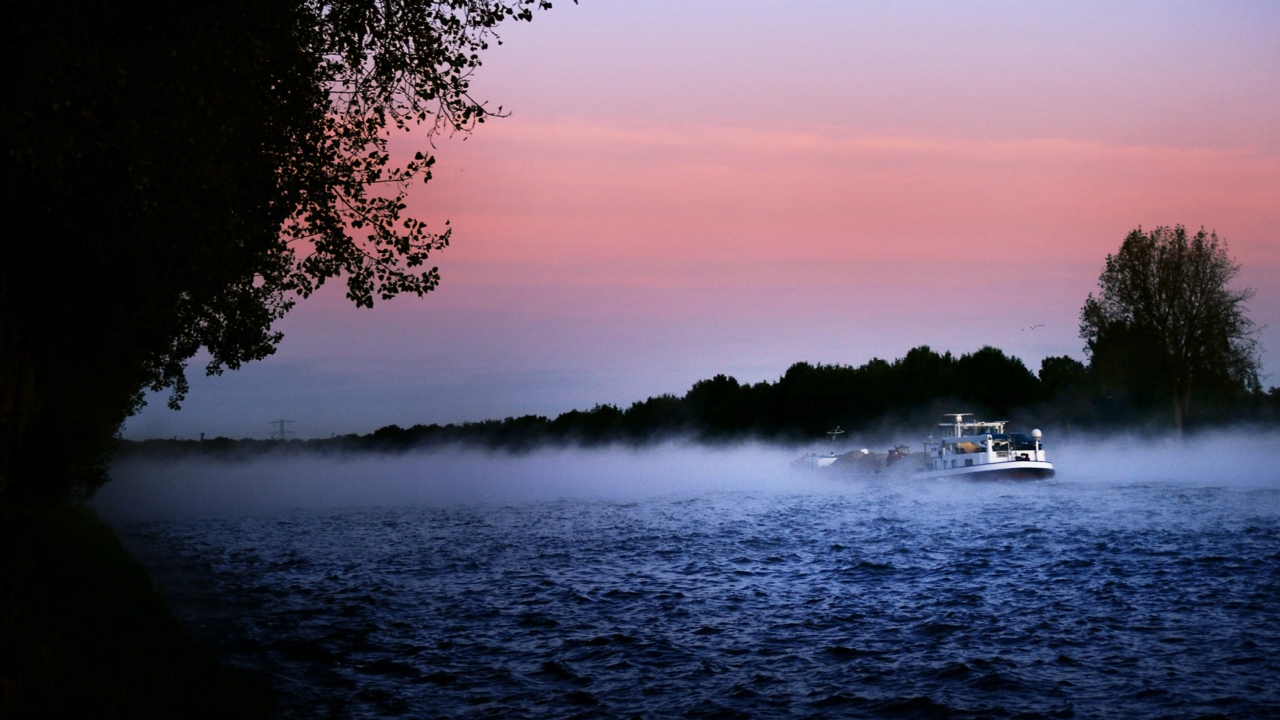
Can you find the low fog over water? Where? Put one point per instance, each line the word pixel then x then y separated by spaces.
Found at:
pixel 146 488
pixel 152 488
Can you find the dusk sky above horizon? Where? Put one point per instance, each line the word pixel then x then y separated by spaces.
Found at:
pixel 685 189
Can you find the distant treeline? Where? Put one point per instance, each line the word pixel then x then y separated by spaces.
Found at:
pixel 878 397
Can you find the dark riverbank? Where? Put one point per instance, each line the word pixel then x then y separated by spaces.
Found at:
pixel 875 400
pixel 85 635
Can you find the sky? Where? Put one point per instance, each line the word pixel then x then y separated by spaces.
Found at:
pixel 685 189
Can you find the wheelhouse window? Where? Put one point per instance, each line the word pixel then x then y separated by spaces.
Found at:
pixel 1020 441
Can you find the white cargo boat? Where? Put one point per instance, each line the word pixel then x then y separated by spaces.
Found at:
pixel 982 449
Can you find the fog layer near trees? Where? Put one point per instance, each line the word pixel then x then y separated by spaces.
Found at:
pixel 152 488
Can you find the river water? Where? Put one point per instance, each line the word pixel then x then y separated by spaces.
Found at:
pixel 689 583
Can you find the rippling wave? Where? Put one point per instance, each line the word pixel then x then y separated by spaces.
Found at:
pixel 879 599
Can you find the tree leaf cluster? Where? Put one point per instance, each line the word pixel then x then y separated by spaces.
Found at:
pixel 810 399
pixel 176 175
pixel 1167 325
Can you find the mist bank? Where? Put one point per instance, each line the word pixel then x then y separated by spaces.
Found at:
pixel 154 487
pixel 879 399
pixel 150 487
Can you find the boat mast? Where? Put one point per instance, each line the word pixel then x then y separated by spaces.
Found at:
pixel 833 434
pixel 957 428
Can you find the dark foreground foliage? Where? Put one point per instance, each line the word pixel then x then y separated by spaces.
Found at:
pixel 802 405
pixel 175 176
pixel 84 635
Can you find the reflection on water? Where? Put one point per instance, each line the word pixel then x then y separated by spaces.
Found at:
pixel 808 598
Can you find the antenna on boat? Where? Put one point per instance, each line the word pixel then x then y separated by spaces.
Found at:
pixel 957 426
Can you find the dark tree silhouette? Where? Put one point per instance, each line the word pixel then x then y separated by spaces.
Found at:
pixel 995 381
pixel 1061 374
pixel 1167 323
pixel 176 174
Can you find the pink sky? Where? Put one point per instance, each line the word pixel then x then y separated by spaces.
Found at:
pixel 681 191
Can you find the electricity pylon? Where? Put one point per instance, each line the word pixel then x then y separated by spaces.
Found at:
pixel 282 429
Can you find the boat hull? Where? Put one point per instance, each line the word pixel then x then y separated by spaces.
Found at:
pixel 814 462
pixel 1016 470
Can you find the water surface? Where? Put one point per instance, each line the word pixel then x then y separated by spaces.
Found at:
pixel 812 598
